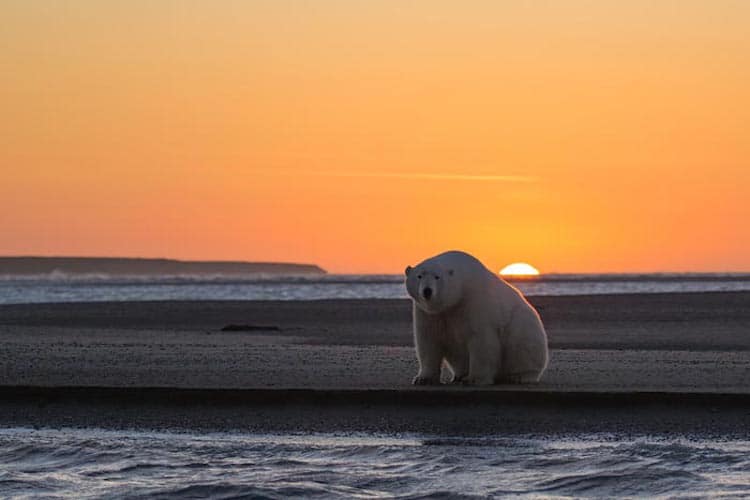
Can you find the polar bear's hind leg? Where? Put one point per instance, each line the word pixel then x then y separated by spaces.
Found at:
pixel 484 358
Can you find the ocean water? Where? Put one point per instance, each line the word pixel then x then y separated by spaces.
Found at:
pixel 92 463
pixel 91 288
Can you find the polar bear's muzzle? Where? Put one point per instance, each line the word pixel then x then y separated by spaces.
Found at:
pixel 427 293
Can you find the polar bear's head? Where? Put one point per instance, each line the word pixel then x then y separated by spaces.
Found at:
pixel 433 287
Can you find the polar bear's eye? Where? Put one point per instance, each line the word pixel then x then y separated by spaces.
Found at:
pixel 419 276
pixel 437 278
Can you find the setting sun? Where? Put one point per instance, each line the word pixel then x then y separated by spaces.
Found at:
pixel 519 269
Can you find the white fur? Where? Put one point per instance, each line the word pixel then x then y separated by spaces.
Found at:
pixel 482 327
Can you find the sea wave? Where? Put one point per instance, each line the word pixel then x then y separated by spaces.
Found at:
pixel 97 463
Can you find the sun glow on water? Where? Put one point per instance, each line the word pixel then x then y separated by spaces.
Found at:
pixel 519 269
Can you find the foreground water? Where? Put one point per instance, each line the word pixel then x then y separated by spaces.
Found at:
pixel 58 287
pixel 88 463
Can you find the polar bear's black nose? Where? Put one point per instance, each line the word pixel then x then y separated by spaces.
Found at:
pixel 427 292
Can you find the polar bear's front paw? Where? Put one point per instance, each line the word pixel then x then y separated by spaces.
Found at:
pixel 419 380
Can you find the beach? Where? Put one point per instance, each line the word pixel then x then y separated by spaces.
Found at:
pixel 629 363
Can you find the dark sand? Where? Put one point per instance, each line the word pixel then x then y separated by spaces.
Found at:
pixel 627 363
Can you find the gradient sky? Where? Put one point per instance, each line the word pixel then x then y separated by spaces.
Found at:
pixel 579 136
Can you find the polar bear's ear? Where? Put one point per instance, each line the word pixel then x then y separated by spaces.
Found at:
pixel 407 270
pixel 450 272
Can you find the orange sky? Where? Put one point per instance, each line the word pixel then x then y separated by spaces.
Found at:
pixel 363 136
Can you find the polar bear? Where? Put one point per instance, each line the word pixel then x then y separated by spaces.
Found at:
pixel 482 327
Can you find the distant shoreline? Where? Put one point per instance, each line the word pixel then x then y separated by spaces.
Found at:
pixel 145 266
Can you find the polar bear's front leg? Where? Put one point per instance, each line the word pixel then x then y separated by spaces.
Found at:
pixel 430 358
pixel 428 335
pixel 484 358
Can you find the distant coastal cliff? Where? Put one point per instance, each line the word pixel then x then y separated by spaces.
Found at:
pixel 120 266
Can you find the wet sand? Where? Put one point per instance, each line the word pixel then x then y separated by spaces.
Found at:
pixel 630 363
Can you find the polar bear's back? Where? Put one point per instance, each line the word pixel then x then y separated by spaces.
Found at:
pixel 476 275
pixel 467 265
pixel 477 280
